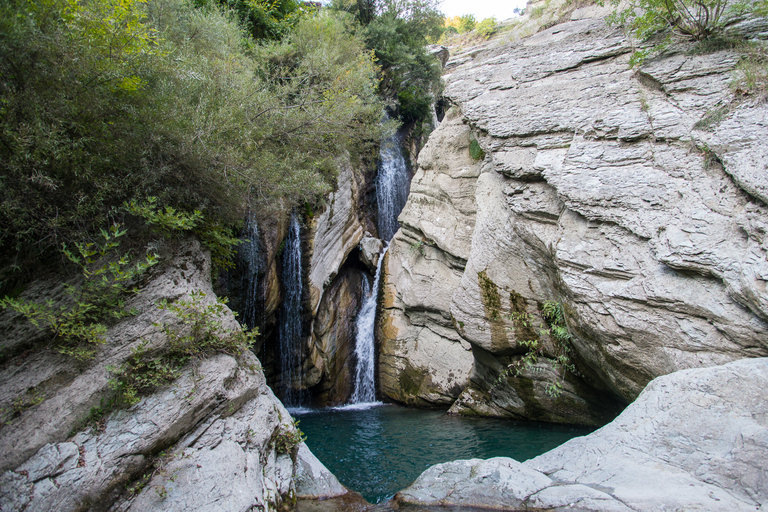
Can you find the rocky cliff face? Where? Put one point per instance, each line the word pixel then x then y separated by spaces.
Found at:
pixel 613 192
pixel 215 439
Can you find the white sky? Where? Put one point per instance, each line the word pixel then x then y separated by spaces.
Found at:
pixel 481 9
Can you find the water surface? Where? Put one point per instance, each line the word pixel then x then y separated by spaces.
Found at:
pixel 379 450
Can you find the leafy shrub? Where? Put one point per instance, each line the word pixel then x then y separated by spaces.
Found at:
pixel 475 151
pixel 467 23
pixel 97 299
pixel 286 439
pixel 487 27
pixel 105 102
pixel 557 331
pixel 200 334
pixel 695 20
pixel 397 32
pixel 414 104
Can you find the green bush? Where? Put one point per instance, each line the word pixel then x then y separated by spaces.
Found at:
pixel 487 27
pixel 475 151
pixel 397 33
pixel 95 300
pixel 695 20
pixel 467 23
pixel 200 334
pixel 107 102
pixel 556 330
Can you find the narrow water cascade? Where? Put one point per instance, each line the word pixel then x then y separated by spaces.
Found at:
pixel 392 184
pixel 364 390
pixel 290 339
pixel 249 266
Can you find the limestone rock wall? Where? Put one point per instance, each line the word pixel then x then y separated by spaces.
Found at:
pixel 423 360
pixel 335 283
pixel 217 438
pixel 608 190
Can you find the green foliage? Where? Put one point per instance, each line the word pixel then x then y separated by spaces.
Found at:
pixel 466 23
pixel 165 221
pixel 751 75
pixel 286 439
pixel 397 31
pixel 475 151
pixel 694 20
pixel 105 102
pixel 21 403
pixel 555 330
pixel 266 19
pixel 415 104
pixel 97 299
pixel 487 27
pixel 201 333
pixel 170 222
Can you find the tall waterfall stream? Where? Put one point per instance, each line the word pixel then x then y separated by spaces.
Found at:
pixel 290 316
pixel 365 342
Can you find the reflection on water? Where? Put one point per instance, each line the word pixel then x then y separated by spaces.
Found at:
pixel 381 449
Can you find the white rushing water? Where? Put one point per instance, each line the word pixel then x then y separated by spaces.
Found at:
pixel 290 316
pixel 365 343
pixel 392 184
pixel 248 269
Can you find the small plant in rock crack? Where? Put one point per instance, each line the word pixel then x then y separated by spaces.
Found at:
pixel 286 439
pixel 199 333
pixel 97 299
pixel 557 331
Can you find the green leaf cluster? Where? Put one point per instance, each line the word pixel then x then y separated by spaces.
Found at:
pixel 556 330
pixel 397 31
pixel 695 20
pixel 97 299
pixel 199 333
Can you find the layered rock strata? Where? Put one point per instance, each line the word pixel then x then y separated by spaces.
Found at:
pixel 216 439
pixel 613 192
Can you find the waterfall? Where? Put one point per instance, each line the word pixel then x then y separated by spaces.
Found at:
pixel 248 270
pixel 365 343
pixel 392 183
pixel 290 339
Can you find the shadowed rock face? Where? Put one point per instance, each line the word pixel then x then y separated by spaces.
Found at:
pixel 216 439
pixel 602 189
pixel 693 440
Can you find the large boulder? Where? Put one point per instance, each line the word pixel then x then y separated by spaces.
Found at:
pixel 215 439
pixel 693 440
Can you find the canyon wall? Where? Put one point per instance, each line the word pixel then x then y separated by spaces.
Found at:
pixel 633 199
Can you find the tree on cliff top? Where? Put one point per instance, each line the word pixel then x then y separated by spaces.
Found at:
pixel 695 20
pixel 397 31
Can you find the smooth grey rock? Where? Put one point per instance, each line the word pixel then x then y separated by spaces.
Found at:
pixel 439 51
pixel 336 232
pixel 370 251
pixel 693 440
pixel 423 361
pixel 312 479
pixel 499 483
